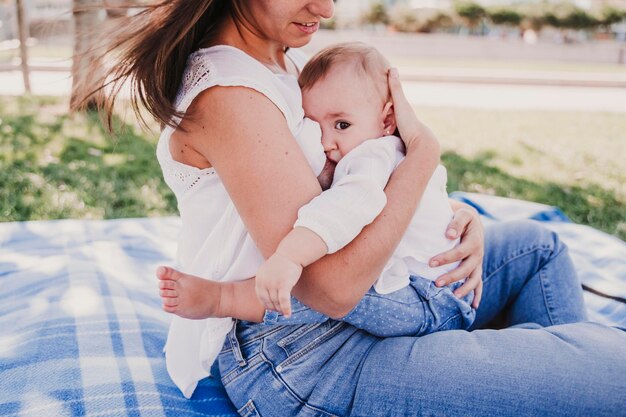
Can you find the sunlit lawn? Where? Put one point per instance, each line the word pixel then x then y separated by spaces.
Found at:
pixel 57 166
pixel 573 160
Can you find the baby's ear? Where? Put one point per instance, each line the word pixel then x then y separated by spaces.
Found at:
pixel 389 118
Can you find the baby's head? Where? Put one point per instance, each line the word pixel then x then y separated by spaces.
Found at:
pixel 344 89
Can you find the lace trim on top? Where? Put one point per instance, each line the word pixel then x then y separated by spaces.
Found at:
pixel 180 177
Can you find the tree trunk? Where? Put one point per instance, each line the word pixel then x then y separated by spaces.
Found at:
pixel 116 8
pixel 22 27
pixel 86 67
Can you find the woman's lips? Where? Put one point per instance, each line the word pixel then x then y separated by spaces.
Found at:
pixel 308 28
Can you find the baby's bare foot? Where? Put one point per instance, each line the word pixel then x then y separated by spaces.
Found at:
pixel 189 296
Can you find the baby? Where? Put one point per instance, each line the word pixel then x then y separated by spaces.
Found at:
pixel 344 89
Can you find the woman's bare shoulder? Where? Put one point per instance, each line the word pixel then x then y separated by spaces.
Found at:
pixel 230 114
pixel 218 113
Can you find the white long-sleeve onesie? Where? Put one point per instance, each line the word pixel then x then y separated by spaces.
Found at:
pixel 357 196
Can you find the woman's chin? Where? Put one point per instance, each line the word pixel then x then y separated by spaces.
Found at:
pixel 298 39
pixel 299 43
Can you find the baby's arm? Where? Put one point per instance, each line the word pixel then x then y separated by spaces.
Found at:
pixel 356 196
pixel 331 220
pixel 280 273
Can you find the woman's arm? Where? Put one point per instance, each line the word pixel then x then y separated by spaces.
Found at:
pixel 334 284
pixel 268 179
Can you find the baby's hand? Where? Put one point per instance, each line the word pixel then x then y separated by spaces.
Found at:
pixel 274 281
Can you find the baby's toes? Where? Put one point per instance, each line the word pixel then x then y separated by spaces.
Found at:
pixel 169 309
pixel 169 302
pixel 163 272
pixel 168 293
pixel 167 273
pixel 167 285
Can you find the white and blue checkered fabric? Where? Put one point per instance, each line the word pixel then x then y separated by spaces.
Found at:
pixel 81 328
pixel 82 331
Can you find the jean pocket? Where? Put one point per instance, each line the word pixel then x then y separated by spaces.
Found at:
pixel 248 410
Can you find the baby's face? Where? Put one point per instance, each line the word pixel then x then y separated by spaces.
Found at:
pixel 348 108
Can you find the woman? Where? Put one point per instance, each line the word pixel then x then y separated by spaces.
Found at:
pixel 234 138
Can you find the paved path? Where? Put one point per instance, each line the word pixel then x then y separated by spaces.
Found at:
pixel 512 76
pixel 511 97
pixel 53 83
pixel 464 95
pixel 449 46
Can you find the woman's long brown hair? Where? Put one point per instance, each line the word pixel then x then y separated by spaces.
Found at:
pixel 150 51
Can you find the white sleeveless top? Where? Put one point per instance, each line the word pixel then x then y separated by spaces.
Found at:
pixel 214 242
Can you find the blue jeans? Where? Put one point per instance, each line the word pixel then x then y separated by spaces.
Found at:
pixel 415 310
pixel 538 366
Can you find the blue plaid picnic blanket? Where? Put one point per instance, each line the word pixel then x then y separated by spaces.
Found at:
pixel 82 331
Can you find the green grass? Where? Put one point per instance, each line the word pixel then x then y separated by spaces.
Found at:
pixel 57 166
pixel 573 160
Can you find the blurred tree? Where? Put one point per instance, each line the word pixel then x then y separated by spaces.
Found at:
pixel 579 19
pixel 377 13
pixel 533 19
pixel 436 22
pixel 472 13
pixel 568 16
pixel 551 19
pixel 116 8
pixel 610 16
pixel 85 66
pixel 504 16
pixel 404 19
pixel 23 35
pixel 554 13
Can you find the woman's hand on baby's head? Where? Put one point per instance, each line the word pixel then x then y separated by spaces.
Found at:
pixel 274 281
pixel 412 131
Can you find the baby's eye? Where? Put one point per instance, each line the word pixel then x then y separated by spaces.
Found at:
pixel 342 125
